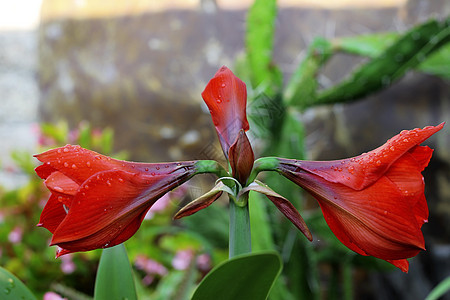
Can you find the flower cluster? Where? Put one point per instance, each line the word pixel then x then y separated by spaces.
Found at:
pixel 374 203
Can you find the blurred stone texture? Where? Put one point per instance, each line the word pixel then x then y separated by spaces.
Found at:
pixel 140 68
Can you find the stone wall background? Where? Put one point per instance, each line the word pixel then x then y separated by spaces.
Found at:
pixel 140 70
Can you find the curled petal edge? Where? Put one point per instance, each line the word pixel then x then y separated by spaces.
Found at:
pixel 283 205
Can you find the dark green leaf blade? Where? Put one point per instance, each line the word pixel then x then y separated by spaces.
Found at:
pixel 114 277
pixel 248 276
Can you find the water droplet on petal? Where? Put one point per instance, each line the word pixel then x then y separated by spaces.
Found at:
pixel 88 164
pixel 392 148
pixel 59 189
pixel 59 151
pixel 108 183
pixel 146 169
pixel 74 166
pixel 157 168
pixel 66 164
pixel 86 187
pixel 224 85
pixel 378 162
pixel 120 180
pixel 98 157
pixel 66 149
pixel 219 100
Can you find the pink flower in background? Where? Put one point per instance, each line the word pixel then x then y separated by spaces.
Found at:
pixel 52 296
pixel 15 236
pixel 182 259
pixel 67 264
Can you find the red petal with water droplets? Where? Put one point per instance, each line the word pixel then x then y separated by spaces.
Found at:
pixel 59 183
pixel 108 198
pixel 361 171
pixel 79 164
pixel 374 203
pixel 226 97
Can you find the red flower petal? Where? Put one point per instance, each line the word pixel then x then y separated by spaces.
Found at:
pixel 361 171
pixel 79 164
pixel 226 97
pixel 59 183
pixel 241 157
pixel 374 203
pixel 97 201
pixel 106 201
pixel 52 214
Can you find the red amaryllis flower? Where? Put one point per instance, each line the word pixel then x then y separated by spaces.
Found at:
pixel 98 202
pixel 226 97
pixel 374 203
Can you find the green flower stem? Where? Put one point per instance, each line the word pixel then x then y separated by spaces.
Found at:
pixel 240 236
pixel 263 164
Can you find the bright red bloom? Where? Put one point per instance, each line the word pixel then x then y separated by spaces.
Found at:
pixel 226 97
pixel 374 203
pixel 98 202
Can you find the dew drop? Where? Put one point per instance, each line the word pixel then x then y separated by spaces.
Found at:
pixel 7 290
pixel 378 162
pixel 385 212
pixel 392 148
pixel 74 166
pixel 120 180
pixel 98 157
pixel 146 169
pixel 66 150
pixel 157 168
pixel 98 177
pixel 86 187
pixel 406 140
pixel 166 166
pixel 59 189
pixel 153 173
pixel 66 164
pixel 224 85
pixel 219 100
pixel 59 151
pixel 88 164
pixel 108 183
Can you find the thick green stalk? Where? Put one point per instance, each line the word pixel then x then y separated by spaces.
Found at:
pixel 240 236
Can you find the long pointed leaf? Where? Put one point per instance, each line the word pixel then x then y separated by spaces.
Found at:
pixel 114 277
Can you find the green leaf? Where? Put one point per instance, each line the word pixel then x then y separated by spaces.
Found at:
pixel 114 277
pixel 438 64
pixel 406 53
pixel 248 276
pixel 440 290
pixel 370 45
pixel 12 288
